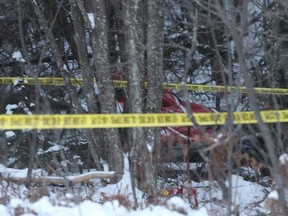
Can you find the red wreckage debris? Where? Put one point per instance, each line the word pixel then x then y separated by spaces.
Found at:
pixel 174 140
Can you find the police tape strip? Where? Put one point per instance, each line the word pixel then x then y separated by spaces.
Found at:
pixel 40 81
pixel 124 84
pixel 77 121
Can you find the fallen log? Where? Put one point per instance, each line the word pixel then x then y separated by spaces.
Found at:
pixel 57 180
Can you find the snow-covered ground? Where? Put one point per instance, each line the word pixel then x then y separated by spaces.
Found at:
pixel 111 199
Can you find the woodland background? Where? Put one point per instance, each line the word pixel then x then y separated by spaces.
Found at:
pixel 214 42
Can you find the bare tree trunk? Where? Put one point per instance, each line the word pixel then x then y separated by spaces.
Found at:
pixel 135 54
pixel 33 140
pixel 154 46
pixel 143 19
pixel 57 56
pixel 97 23
pixel 94 136
pixel 61 66
pixel 123 57
pixel 99 39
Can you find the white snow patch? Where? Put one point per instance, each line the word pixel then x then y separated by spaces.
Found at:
pixel 175 203
pixel 42 206
pixel 220 135
pixel 91 19
pixel 10 107
pixel 16 82
pixel 4 210
pixel 96 88
pixel 19 173
pixel 273 195
pixel 18 56
pixel 10 134
pixel 17 202
pixel 149 147
pixel 54 148
pixel 65 67
pixel 283 159
pixel 3 169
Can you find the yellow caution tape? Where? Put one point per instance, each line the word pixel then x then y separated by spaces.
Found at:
pixel 124 84
pixel 207 88
pixel 73 121
pixel 41 81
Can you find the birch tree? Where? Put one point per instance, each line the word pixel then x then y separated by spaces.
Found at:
pixel 155 80
pixel 144 38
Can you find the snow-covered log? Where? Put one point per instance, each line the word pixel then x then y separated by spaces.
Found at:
pixel 18 176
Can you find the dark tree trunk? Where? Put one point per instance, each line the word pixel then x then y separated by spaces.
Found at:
pixel 100 46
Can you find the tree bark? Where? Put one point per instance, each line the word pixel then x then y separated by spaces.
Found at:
pixel 99 38
pixel 144 29
pixel 94 136
pixel 155 80
pixel 135 57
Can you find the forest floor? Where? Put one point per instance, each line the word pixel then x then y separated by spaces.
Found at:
pixel 248 198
